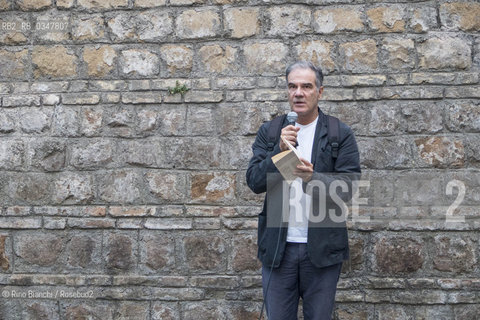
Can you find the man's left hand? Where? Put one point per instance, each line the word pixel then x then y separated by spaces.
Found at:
pixel 305 170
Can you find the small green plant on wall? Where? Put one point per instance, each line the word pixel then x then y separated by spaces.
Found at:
pixel 182 89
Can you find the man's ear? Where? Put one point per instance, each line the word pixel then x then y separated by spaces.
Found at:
pixel 320 91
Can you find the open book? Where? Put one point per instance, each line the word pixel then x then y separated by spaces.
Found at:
pixel 287 161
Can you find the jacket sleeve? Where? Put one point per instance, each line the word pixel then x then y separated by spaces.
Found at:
pixel 261 162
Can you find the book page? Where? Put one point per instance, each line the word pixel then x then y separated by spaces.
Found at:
pixel 287 161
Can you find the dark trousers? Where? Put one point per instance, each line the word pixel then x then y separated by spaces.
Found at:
pixel 297 277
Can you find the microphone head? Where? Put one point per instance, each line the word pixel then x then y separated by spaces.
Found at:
pixel 292 117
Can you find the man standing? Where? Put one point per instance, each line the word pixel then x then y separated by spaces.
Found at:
pixel 301 258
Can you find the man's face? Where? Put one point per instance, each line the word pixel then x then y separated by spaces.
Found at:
pixel 303 94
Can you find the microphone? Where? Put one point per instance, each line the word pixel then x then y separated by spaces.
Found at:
pixel 292 117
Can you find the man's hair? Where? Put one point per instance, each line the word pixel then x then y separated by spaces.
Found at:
pixel 306 65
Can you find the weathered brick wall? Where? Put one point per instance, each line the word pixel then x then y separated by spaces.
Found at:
pixel 121 201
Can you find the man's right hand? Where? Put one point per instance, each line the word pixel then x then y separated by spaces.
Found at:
pixel 289 133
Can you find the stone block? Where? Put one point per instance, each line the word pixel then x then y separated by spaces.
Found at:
pixel 433 312
pixel 5 253
pixel 338 20
pixel 121 121
pixel 120 250
pixel 399 54
pixel 37 251
pixel 462 92
pixel 54 223
pixel 13 154
pixel 460 16
pixel 206 253
pixel 165 311
pixel 92 223
pixel 157 252
pixel 14 37
pixel 235 82
pixel 83 252
pixel 139 62
pixel 265 57
pixel 13 64
pixel 441 152
pixel 35 120
pixel 267 95
pixel 385 120
pixel 386 19
pixel 166 186
pixel 100 60
pixel 138 211
pixel 463 116
pixel 133 310
pixel 149 3
pixel 216 59
pixel 237 153
pixel 5 5
pixel 204 96
pixel 422 19
pixel 244 257
pixel 121 186
pixel 29 188
pixel 195 24
pixel 89 27
pixel 433 78
pixel 203 310
pixel 359 56
pixel 137 153
pixel 7 122
pixel 410 93
pixel 27 5
pixel 179 59
pixel 72 188
pixel 454 254
pixel 418 189
pixel 392 313
pixel 396 153
pixel 64 4
pixel 142 97
pixel 357 255
pixel 58 18
pixel 147 25
pixel 395 255
pixel 71 310
pixel 21 100
pixel 92 154
pixel 206 223
pixel 466 312
pixel 65 122
pixel 212 187
pixel 102 5
pixel 91 121
pixel 288 20
pixel 318 52
pixel 423 117
pixel 444 52
pixel 211 150
pixel 472 149
pixel 55 62
pixel 168 224
pixel 242 22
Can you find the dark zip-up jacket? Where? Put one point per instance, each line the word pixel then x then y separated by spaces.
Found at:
pixel 327 241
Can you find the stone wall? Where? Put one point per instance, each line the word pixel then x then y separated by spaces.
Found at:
pixel 120 200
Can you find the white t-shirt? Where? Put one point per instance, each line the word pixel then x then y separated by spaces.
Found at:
pixel 301 203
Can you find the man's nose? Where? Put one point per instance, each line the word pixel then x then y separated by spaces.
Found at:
pixel 298 92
